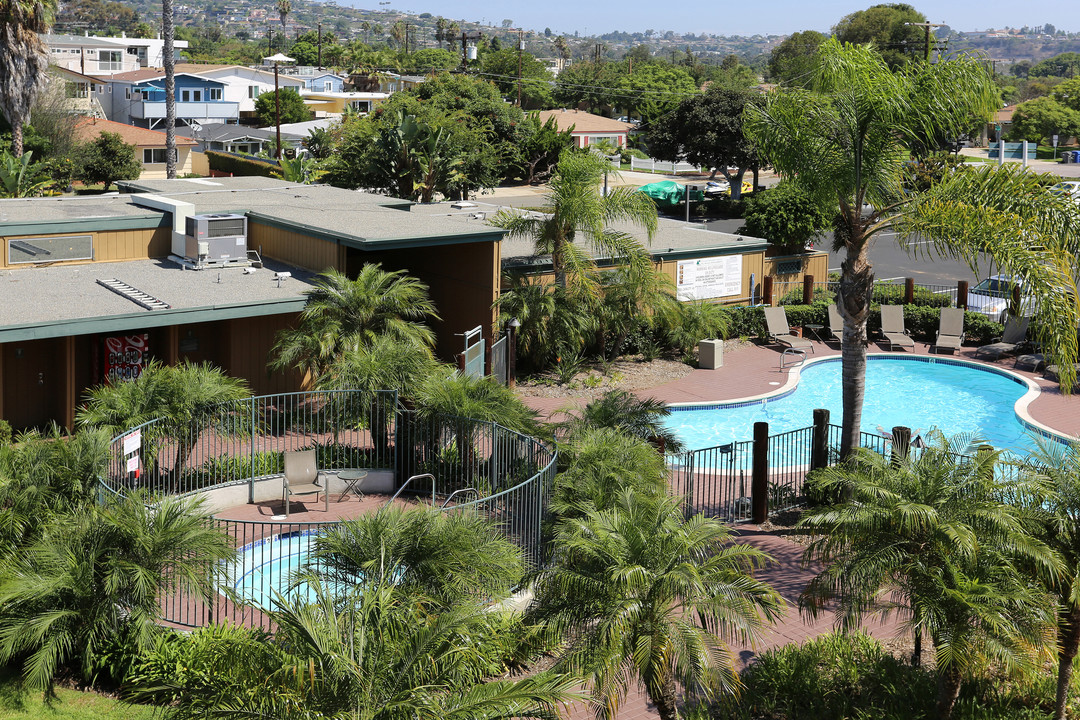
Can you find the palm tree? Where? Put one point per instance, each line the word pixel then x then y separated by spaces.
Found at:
pixel 641 418
pixel 372 653
pixel 632 296
pixel 597 464
pixel 284 7
pixel 1059 464
pixel 168 35
pixel 342 315
pixel 845 148
pixel 576 207
pixel 450 393
pixel 554 320
pixel 935 539
pixel 24 59
pixel 186 399
pixel 638 593
pixel 448 557
pixel 98 573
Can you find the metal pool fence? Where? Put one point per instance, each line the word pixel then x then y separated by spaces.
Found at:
pixel 464 465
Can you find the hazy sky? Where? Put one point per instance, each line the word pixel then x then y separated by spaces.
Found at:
pixel 731 17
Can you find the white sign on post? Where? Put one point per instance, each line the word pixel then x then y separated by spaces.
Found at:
pixel 711 277
pixel 133 464
pixel 132 442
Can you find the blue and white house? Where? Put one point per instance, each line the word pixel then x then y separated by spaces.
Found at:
pixel 138 98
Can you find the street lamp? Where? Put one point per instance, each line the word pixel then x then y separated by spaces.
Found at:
pixel 277 60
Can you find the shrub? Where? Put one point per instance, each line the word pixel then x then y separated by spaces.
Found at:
pixel 786 216
pixel 5 433
pixel 894 295
pixel 240 165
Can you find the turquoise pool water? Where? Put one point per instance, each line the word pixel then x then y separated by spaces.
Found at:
pixel 950 396
pixel 265 566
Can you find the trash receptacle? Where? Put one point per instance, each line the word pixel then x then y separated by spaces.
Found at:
pixel 710 354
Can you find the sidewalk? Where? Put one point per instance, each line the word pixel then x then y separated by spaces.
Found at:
pixel 1039 166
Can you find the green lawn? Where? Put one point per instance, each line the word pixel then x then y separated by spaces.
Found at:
pixel 68 705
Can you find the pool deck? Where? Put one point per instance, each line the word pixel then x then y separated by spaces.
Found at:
pixel 754 370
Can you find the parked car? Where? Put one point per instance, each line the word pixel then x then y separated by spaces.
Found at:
pixel 991 297
pixel 1069 188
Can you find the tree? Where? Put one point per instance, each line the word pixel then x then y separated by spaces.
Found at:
pixel 1038 120
pixel 168 52
pixel 1066 65
pixel 630 297
pixel 791 63
pixel 934 538
pixel 449 393
pixel 707 130
pixel 342 314
pixel 501 66
pixel 888 27
pixel 589 86
pixel 787 216
pixel 541 146
pixel 108 159
pixel 99 576
pixel 638 593
pixel 20 177
pixel 554 321
pixel 574 205
pixel 1059 465
pixel 1068 93
pixel 293 109
pixel 845 150
pixel 24 59
pixel 304 53
pixel 637 91
pixel 284 7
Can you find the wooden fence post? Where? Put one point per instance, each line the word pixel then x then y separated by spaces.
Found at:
pixel 766 290
pixel 807 289
pixel 759 479
pixel 961 294
pixel 819 450
pixel 909 290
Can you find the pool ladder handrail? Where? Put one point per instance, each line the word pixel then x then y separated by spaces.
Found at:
pixel 459 492
pixel 406 484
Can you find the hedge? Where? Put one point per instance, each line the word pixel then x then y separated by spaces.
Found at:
pixel 883 294
pixel 242 164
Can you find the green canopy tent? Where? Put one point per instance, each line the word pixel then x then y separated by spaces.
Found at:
pixel 668 194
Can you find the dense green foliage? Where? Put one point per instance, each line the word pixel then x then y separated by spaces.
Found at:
pixel 235 165
pixel 791 63
pixel 107 159
pixel 889 27
pixel 1038 120
pixel 293 109
pixel 786 216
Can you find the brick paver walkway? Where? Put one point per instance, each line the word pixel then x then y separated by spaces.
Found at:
pixel 755 370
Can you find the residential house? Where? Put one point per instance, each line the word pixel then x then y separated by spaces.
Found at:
pixel 78 92
pixel 238 138
pixel 149 147
pixel 102 56
pixel 322 82
pixel 242 85
pixel 138 98
pixel 325 104
pixel 588 129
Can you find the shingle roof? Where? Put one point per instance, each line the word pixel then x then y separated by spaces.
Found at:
pixel 583 122
pixel 87 129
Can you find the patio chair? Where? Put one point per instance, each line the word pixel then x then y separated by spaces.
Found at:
pixel 950 332
pixel 892 327
pixel 836 325
pixel 302 477
pixel 779 332
pixel 1012 339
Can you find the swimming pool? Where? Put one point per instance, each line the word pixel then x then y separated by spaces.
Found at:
pixel 916 392
pixel 265 566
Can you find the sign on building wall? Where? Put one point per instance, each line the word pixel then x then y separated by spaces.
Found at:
pixel 125 356
pixel 706 278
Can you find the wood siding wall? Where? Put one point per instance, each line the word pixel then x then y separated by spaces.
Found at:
pixel 109 245
pixel 295 248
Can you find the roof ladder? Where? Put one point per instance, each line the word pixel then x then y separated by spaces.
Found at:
pixel 134 294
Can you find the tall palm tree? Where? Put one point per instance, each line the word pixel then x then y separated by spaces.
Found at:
pixel 1059 464
pixel 575 206
pixel 168 36
pixel 342 315
pixel 554 320
pixel 447 557
pixel 24 59
pixel 631 296
pixel 284 7
pixel 370 653
pixel 638 593
pixel 97 573
pixel 934 539
pixel 845 147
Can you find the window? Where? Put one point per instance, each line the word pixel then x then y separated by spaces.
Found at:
pixel 196 95
pixel 110 60
pixel 127 93
pixel 185 96
pixel 328 86
pixel 153 156
pixel 213 94
pixel 50 249
pixel 253 91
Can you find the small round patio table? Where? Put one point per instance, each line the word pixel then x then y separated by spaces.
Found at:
pixel 354 480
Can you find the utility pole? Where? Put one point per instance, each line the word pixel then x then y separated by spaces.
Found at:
pixel 926 26
pixel 521 48
pixel 406 38
pixel 269 40
pixel 320 46
pixel 465 37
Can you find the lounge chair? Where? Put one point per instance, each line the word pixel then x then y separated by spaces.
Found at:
pixel 836 325
pixel 892 327
pixel 779 332
pixel 1011 340
pixel 302 478
pixel 950 332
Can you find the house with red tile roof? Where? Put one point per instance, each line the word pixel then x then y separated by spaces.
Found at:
pixel 588 129
pixel 149 147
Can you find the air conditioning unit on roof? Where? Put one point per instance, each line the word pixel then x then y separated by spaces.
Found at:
pixel 215 239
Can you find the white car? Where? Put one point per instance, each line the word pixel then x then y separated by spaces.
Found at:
pixel 991 297
pixel 1069 188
